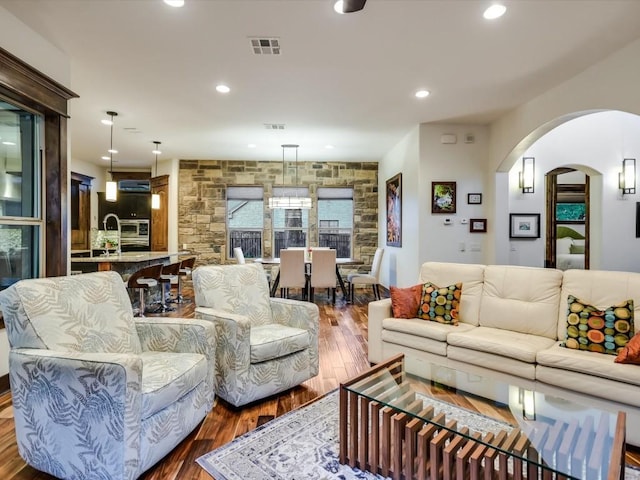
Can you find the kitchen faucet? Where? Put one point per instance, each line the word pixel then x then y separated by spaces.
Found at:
pixel 104 222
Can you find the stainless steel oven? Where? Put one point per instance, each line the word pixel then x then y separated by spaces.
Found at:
pixel 134 233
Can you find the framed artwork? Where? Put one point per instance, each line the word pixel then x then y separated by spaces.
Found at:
pixel 443 197
pixel 524 225
pixel 478 225
pixel 394 211
pixel 474 198
pixel 637 219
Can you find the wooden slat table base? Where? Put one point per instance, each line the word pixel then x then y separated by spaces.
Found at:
pixel 390 442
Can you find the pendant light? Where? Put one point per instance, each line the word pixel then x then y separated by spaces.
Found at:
pixel 155 197
pixel 112 187
pixel 290 201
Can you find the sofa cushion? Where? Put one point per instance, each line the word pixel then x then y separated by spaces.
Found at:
pixel 588 363
pixel 168 376
pixel 519 346
pixel 276 340
pixel 405 302
pixel 491 361
pixel 521 299
pixel 601 330
pixel 419 328
pixel 470 275
pixel 630 353
pixel 440 304
pixel 415 342
pixel 602 288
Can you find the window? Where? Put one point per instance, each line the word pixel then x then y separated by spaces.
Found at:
pixel 245 220
pixel 290 225
pixel 20 213
pixel 335 220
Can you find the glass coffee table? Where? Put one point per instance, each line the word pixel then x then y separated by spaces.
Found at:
pixel 401 426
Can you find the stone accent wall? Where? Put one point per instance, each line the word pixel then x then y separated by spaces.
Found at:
pixel 202 202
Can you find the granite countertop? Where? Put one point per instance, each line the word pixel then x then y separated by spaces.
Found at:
pixel 126 257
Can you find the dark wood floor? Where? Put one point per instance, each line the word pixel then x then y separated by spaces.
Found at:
pixel 343 354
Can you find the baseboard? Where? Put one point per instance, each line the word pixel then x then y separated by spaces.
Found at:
pixel 4 383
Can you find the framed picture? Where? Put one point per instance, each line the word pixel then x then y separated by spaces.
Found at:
pixel 478 225
pixel 443 197
pixel 394 211
pixel 524 225
pixel 637 219
pixel 474 198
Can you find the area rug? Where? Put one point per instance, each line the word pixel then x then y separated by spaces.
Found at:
pixel 303 444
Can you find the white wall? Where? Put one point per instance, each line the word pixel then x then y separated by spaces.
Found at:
pixel 99 175
pixel 465 164
pixel 599 142
pixel 399 266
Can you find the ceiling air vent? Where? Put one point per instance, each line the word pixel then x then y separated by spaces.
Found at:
pixel 274 126
pixel 265 46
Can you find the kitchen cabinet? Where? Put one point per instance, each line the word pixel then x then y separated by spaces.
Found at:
pixel 80 210
pixel 136 205
pixel 160 217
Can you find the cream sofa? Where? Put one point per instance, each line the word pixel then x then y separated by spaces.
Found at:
pixel 512 321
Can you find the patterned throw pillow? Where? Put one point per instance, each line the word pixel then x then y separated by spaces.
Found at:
pixel 597 330
pixel 405 302
pixel 440 304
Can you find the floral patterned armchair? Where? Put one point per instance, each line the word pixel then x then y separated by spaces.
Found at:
pixel 264 345
pixel 97 394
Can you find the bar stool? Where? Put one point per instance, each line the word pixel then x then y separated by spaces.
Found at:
pixel 143 280
pixel 169 273
pixel 186 266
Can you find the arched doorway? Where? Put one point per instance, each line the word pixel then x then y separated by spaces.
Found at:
pixel 568 210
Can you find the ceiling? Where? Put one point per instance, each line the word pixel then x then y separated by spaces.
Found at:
pixel 341 80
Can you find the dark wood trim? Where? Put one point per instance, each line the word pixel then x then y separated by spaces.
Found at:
pixel 160 181
pixel 25 83
pixel 79 177
pixel 4 383
pixel 56 195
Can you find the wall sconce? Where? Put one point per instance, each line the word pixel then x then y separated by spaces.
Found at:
pixel 527 174
pixel 627 177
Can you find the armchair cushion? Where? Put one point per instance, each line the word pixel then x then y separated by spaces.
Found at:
pixel 242 291
pixel 167 377
pixel 275 340
pixel 83 313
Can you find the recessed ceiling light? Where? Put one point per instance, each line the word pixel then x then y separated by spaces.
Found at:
pixel 339 7
pixel 8 143
pixel 251 145
pixel 156 152
pixel 328 146
pixel 422 93
pixel 174 3
pixel 223 89
pixel 104 157
pixel 112 150
pixel 106 121
pixel 494 11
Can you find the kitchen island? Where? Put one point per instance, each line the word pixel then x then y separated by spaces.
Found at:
pixel 124 263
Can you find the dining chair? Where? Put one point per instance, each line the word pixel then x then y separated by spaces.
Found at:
pixel 292 272
pixel 323 272
pixel 238 255
pixel 372 278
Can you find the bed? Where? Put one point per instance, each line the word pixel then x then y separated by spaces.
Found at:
pixel 570 247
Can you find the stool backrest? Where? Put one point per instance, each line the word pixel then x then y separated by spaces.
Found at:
pixel 152 271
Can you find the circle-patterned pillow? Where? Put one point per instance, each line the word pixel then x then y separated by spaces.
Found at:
pixel 440 304
pixel 596 330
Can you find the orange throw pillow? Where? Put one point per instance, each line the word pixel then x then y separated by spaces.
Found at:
pixel 631 351
pixel 405 301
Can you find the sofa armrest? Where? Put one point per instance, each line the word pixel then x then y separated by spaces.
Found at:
pixel 180 335
pixel 378 311
pixel 69 403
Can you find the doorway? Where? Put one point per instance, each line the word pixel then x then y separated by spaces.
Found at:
pixel 567 219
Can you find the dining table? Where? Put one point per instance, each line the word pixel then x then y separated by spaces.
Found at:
pixel 271 261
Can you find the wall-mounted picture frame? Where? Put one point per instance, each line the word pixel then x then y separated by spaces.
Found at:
pixel 474 198
pixel 524 225
pixel 637 219
pixel 478 225
pixel 394 211
pixel 443 197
